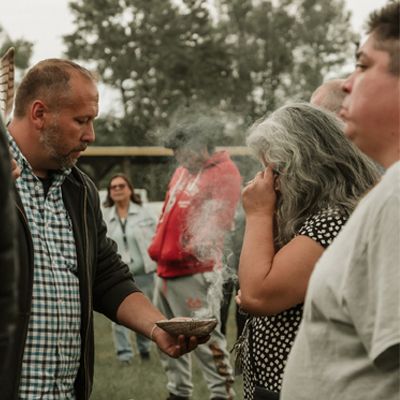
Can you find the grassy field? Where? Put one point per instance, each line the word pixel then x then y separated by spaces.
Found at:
pixel 143 380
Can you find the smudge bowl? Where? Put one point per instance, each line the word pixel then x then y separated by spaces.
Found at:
pixel 188 326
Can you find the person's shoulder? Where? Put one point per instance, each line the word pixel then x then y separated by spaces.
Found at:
pixel 324 225
pixel 331 213
pixel 385 192
pixel 222 162
pixel 79 178
pixel 391 179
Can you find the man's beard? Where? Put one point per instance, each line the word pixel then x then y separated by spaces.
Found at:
pixel 50 139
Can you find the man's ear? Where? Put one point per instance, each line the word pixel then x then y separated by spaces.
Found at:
pixel 37 113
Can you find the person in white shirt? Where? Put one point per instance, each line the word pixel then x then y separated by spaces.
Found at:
pixel 348 345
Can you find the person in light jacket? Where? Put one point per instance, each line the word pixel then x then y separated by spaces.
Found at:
pixel 132 227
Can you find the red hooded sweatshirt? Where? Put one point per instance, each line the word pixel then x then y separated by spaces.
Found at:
pixel 197 212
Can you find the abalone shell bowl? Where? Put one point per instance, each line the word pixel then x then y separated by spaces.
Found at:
pixel 189 326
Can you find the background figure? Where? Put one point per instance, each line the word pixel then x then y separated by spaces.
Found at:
pixel 68 265
pixel 348 345
pixel 313 179
pixel 198 210
pixel 131 226
pixel 329 96
pixel 8 259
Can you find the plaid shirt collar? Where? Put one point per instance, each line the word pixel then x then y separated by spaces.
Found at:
pixel 58 176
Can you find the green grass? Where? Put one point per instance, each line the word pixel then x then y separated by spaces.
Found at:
pixel 143 380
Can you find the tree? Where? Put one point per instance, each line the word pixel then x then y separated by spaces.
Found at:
pixel 324 43
pixel 284 51
pixel 244 57
pixel 23 49
pixel 157 55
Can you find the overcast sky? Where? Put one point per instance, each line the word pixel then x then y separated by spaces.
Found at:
pixel 43 22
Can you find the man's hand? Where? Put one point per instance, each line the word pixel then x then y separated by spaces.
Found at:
pixel 176 346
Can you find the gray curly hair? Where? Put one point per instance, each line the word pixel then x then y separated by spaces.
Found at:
pixel 318 166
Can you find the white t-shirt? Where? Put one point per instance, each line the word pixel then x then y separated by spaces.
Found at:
pixel 347 347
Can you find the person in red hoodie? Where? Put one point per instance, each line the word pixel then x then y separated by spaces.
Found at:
pixel 198 210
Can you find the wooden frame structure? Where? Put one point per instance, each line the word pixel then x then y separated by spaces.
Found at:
pixel 97 161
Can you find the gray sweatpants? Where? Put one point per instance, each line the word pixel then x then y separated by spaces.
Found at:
pixel 182 297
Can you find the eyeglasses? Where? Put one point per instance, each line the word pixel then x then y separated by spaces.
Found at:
pixel 119 186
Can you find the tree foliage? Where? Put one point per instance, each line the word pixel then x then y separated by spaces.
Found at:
pixel 244 57
pixel 23 50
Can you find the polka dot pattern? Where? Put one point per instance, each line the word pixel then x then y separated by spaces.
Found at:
pixel 270 338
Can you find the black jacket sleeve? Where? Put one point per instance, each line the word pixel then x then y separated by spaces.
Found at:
pixel 8 255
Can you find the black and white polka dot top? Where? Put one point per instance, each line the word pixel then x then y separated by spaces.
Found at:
pixel 271 338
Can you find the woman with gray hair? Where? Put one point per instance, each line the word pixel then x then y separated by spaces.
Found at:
pixel 312 181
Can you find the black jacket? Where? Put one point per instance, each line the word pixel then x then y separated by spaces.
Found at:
pixel 104 279
pixel 8 260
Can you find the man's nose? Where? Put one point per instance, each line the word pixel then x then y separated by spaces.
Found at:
pixel 347 83
pixel 89 135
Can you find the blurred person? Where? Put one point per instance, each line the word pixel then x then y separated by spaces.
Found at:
pixel 131 226
pixel 329 96
pixel 68 266
pixel 198 211
pixel 312 181
pixel 8 259
pixel 348 345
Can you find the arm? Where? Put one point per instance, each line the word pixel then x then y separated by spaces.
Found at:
pixel 138 313
pixel 271 281
pixel 116 295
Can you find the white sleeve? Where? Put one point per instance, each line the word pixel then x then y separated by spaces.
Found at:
pixel 375 283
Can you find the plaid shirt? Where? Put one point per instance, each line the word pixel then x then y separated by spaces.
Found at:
pixel 52 349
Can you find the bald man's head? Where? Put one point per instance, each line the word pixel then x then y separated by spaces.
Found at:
pixel 329 96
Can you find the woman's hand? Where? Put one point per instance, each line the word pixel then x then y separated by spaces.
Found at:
pixel 259 196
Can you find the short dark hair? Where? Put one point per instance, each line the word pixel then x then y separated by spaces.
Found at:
pixel 49 80
pixel 196 132
pixel 384 24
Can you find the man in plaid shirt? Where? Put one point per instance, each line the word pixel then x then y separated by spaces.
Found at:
pixel 68 265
